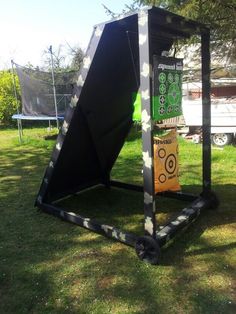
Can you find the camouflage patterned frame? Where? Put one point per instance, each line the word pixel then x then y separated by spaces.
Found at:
pixel 146 20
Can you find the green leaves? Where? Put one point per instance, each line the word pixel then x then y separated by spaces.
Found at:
pixel 8 103
pixel 219 15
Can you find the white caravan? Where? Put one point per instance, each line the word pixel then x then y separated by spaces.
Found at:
pixel 223 114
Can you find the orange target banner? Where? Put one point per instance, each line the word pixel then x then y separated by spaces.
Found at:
pixel 166 162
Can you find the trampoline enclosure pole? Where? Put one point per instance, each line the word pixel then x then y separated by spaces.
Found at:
pixel 19 125
pixel 54 88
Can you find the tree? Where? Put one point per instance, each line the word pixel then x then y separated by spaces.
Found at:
pixel 77 55
pixel 59 59
pixel 219 15
pixel 8 103
pixel 65 58
pixel 128 8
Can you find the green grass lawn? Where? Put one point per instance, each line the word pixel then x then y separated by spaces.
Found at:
pixel 50 266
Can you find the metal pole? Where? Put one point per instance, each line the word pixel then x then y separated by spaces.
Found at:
pixel 19 125
pixel 206 112
pixel 145 59
pixel 53 85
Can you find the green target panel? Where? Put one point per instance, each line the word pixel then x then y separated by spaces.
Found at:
pixel 167 93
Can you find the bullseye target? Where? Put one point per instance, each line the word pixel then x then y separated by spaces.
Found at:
pixel 176 78
pixel 170 163
pixel 169 109
pixel 162 110
pixel 162 77
pixel 162 153
pixel 162 99
pixel 166 167
pixel 170 78
pixel 174 94
pixel 162 178
pixel 177 108
pixel 167 89
pixel 162 89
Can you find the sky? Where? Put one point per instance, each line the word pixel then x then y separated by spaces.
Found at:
pixel 29 27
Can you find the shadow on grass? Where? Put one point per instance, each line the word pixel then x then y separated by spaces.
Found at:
pixel 50 266
pixel 20 169
pixel 51 137
pixel 135 133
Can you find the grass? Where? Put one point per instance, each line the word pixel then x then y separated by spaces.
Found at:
pixel 50 266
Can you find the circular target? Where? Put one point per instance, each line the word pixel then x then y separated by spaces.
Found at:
pixel 174 94
pixel 162 77
pixel 162 178
pixel 162 89
pixel 176 78
pixel 162 110
pixel 170 78
pixel 170 164
pixel 162 99
pixel 169 109
pixel 161 153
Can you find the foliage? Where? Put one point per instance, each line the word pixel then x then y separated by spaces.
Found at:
pixel 60 62
pixel 52 267
pixel 219 15
pixel 64 61
pixel 128 8
pixel 65 58
pixel 77 55
pixel 8 103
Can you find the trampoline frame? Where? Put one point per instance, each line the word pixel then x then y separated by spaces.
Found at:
pixel 19 117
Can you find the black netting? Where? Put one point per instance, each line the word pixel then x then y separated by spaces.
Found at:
pixel 37 91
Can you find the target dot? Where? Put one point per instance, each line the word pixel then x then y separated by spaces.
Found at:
pixel 170 163
pixel 162 178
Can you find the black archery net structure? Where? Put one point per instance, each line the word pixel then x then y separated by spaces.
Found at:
pixel 125 58
pixel 37 91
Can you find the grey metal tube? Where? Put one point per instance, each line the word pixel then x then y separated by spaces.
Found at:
pixel 53 85
pixel 19 124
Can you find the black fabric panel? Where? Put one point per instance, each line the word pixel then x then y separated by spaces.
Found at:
pixel 103 116
pixel 112 80
pixel 77 164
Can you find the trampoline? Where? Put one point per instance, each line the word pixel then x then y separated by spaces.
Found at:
pixel 43 118
pixel 44 95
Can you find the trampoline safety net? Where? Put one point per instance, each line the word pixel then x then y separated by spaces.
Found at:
pixel 37 91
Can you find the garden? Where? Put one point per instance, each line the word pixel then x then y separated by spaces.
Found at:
pixel 50 266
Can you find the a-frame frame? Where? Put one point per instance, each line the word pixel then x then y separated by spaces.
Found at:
pixel 118 62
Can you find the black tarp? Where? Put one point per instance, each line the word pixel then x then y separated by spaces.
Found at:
pixel 101 115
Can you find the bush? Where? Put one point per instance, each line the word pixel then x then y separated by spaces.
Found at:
pixel 8 103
